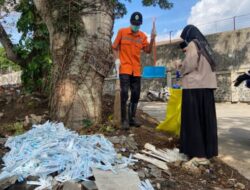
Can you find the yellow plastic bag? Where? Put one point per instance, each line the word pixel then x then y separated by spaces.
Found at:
pixel 172 123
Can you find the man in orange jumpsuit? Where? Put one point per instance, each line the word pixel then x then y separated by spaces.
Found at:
pixel 127 50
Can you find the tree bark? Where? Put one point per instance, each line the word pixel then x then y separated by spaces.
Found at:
pixel 80 63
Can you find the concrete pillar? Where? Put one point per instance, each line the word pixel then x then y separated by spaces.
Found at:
pixel 234 90
pixel 169 79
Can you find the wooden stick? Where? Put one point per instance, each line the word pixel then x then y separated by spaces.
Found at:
pixel 160 153
pixel 154 155
pixel 158 163
pixel 154 44
pixel 117 104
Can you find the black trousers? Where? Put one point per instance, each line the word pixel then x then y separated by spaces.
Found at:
pixel 132 83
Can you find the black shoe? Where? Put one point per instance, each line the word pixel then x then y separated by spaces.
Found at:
pixel 125 125
pixel 241 78
pixel 134 123
pixel 131 115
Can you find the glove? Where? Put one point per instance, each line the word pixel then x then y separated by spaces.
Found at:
pixel 178 74
pixel 241 78
pixel 117 66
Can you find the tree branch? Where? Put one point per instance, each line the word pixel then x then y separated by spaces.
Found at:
pixel 9 47
pixel 45 12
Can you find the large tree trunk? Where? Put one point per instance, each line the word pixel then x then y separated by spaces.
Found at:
pixel 81 62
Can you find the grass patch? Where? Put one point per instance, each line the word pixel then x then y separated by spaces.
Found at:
pixel 13 129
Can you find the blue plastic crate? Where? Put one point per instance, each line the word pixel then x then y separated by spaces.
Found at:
pixel 154 72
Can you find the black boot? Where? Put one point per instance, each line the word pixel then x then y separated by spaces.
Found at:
pixel 125 125
pixel 131 115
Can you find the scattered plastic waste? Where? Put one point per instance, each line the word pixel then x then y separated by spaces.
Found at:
pixel 174 155
pixel 42 183
pixel 176 86
pixel 146 185
pixel 168 155
pixel 53 150
pixel 161 95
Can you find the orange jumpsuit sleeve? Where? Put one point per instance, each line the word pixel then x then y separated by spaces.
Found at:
pixel 117 40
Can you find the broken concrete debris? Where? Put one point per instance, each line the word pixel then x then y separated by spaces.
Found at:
pixel 35 119
pixel 123 179
pixel 7 182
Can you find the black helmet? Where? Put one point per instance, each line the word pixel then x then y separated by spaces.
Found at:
pixel 136 18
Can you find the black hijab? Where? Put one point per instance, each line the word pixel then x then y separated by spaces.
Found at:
pixel 192 33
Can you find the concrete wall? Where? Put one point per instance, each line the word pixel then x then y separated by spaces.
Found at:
pixel 10 79
pixel 232 51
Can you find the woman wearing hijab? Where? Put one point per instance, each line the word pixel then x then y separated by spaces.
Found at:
pixel 198 138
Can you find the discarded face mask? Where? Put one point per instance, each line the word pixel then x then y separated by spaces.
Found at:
pixel 146 185
pixel 51 148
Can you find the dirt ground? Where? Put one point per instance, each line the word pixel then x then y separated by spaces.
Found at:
pixel 15 107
